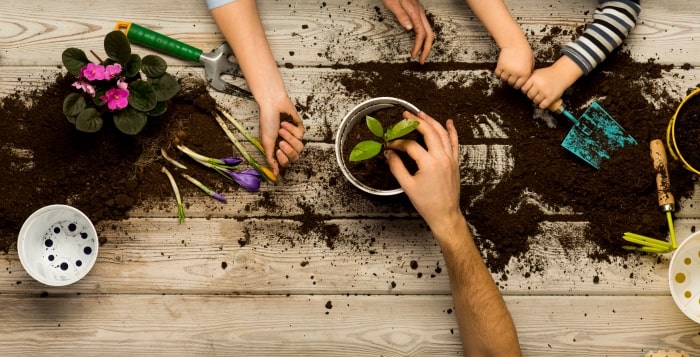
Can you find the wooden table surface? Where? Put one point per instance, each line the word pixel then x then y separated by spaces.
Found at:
pixel 161 288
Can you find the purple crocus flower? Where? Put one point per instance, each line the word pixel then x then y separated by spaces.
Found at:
pixel 248 179
pixel 231 161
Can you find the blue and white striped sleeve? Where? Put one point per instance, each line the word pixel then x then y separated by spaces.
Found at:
pixel 212 4
pixel 612 22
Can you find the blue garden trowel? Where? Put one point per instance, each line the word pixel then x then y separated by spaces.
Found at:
pixel 594 135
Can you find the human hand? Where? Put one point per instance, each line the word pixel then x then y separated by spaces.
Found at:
pixel 547 84
pixel 289 133
pixel 434 188
pixel 515 64
pixel 411 16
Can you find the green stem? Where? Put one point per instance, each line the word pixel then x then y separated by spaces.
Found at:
pixel 264 171
pixel 243 131
pixel 173 184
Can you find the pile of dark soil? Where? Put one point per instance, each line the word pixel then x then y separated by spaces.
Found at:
pixel 103 174
pixel 619 197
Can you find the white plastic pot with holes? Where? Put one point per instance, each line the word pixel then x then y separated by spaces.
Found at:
pixel 57 245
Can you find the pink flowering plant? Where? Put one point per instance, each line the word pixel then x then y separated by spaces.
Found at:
pixel 125 87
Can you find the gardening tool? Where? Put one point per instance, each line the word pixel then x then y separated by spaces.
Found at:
pixel 216 63
pixel 594 135
pixel 666 203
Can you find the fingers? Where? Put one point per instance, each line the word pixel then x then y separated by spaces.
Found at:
pixel 454 140
pixel 424 33
pixel 291 146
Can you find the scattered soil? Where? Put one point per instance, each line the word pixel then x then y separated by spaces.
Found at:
pixel 103 174
pixel 687 129
pixel 107 173
pixel 546 182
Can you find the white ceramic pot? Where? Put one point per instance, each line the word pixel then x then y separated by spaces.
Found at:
pixel 357 116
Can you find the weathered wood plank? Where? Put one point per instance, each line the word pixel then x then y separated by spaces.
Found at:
pixel 334 256
pixel 309 33
pixel 352 326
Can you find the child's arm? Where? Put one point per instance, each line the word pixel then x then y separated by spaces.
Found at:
pixel 612 22
pixel 516 60
pixel 240 24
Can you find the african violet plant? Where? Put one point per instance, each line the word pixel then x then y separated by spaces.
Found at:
pixel 128 87
pixel 370 148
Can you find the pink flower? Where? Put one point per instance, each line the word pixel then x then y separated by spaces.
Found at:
pixel 121 84
pixel 116 98
pixel 93 72
pixel 85 87
pixel 112 70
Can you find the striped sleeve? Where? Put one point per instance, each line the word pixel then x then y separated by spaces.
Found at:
pixel 612 22
pixel 212 4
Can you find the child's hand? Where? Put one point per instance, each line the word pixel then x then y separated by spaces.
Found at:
pixel 290 134
pixel 515 64
pixel 411 16
pixel 546 85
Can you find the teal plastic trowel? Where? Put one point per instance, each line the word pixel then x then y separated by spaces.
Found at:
pixel 594 135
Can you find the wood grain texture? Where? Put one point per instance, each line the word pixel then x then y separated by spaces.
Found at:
pixel 322 325
pixel 309 33
pixel 248 278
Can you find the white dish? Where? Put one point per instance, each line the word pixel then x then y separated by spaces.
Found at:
pixel 684 276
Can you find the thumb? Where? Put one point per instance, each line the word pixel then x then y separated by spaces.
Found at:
pixel 397 167
pixel 269 148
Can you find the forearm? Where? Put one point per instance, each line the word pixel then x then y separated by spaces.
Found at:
pixel 612 22
pixel 240 24
pixel 498 21
pixel 486 326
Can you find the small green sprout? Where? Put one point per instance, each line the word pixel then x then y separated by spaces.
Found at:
pixel 370 148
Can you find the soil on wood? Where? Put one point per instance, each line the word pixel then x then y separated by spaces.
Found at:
pixel 103 174
pixel 546 182
pixel 107 173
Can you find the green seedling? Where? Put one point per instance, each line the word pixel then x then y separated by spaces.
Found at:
pixel 370 148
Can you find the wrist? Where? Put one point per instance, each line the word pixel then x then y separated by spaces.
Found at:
pixel 568 71
pixel 451 229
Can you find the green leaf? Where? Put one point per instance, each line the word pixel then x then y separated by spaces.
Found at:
pixel 117 46
pixel 365 150
pixel 130 121
pixel 74 59
pixel 375 126
pixel 402 128
pixel 153 66
pixel 142 97
pixel 132 66
pixel 73 104
pixel 160 108
pixel 165 86
pixel 89 121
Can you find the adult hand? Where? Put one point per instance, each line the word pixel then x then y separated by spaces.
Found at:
pixel 515 64
pixel 411 15
pixel 546 85
pixel 290 134
pixel 434 188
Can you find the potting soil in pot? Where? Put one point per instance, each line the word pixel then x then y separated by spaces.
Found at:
pixel 687 131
